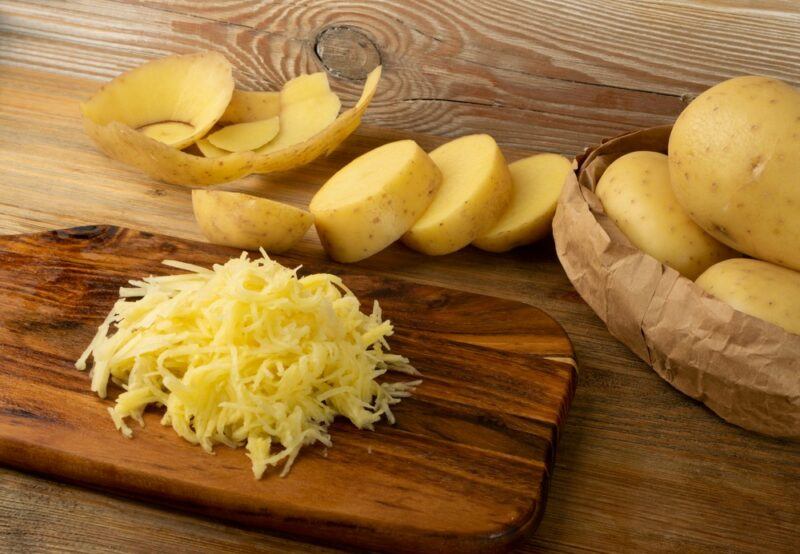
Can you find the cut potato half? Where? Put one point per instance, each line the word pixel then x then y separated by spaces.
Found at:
pixel 537 182
pixel 246 106
pixel 242 137
pixel 169 164
pixel 249 222
pixel 476 189
pixel 192 90
pixel 169 132
pixel 373 200
pixel 209 150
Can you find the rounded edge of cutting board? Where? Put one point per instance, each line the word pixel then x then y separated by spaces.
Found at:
pixel 512 348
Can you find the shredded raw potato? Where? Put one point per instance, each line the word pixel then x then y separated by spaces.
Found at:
pixel 246 353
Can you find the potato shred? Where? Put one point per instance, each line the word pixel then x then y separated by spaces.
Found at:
pixel 246 353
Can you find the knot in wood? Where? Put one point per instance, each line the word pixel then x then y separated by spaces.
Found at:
pixel 86 232
pixel 347 52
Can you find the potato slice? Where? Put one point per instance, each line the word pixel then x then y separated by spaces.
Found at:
pixel 373 200
pixel 169 132
pixel 249 222
pixel 476 190
pixel 760 289
pixel 192 89
pixel 242 137
pixel 537 182
pixel 246 106
pixel 168 164
pixel 209 150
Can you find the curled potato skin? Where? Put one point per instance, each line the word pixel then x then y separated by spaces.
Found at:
pixel 171 165
pixel 156 92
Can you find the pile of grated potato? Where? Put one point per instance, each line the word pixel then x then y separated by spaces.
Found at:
pixel 246 353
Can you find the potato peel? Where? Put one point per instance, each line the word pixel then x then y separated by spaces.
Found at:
pixel 305 87
pixel 242 137
pixel 246 106
pixel 301 120
pixel 169 132
pixel 171 165
pixel 191 89
pixel 209 150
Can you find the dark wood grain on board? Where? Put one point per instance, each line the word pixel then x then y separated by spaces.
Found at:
pixel 466 467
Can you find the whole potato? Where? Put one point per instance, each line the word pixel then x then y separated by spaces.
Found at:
pixel 636 194
pixel 734 158
pixel 761 289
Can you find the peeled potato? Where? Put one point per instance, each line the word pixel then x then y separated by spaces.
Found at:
pixel 476 190
pixel 246 106
pixel 373 200
pixel 209 150
pixel 636 193
pixel 537 182
pixel 249 222
pixel 121 142
pixel 761 289
pixel 192 90
pixel 242 137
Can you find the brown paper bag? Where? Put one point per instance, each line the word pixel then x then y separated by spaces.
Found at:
pixel 743 368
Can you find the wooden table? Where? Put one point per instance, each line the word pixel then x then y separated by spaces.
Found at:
pixel 640 467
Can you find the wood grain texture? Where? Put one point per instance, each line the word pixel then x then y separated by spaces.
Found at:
pixel 640 467
pixel 573 71
pixel 465 468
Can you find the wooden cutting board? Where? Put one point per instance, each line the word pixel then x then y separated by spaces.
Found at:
pixel 466 467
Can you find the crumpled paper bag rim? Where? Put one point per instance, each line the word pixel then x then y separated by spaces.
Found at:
pixel 745 369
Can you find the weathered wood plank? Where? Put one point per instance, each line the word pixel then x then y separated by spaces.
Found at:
pixel 65 518
pixel 669 47
pixel 426 86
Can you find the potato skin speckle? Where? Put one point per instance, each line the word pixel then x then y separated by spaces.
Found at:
pixel 761 289
pixel 249 222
